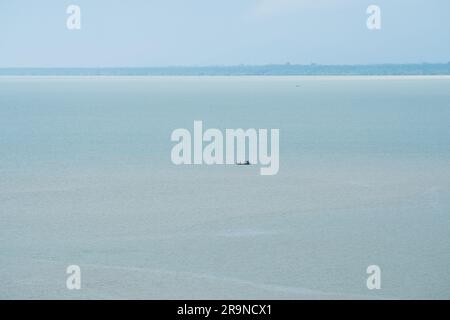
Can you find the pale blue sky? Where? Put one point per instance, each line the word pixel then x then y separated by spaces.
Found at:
pixel 210 32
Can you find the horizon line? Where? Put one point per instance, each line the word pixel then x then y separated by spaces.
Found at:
pixel 286 69
pixel 287 64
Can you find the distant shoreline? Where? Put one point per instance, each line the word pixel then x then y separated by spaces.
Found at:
pixel 223 78
pixel 425 69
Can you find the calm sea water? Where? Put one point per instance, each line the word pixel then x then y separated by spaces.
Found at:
pixel 86 179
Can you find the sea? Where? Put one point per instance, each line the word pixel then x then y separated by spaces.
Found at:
pixel 86 179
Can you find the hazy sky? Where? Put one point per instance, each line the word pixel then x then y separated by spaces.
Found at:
pixel 211 32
